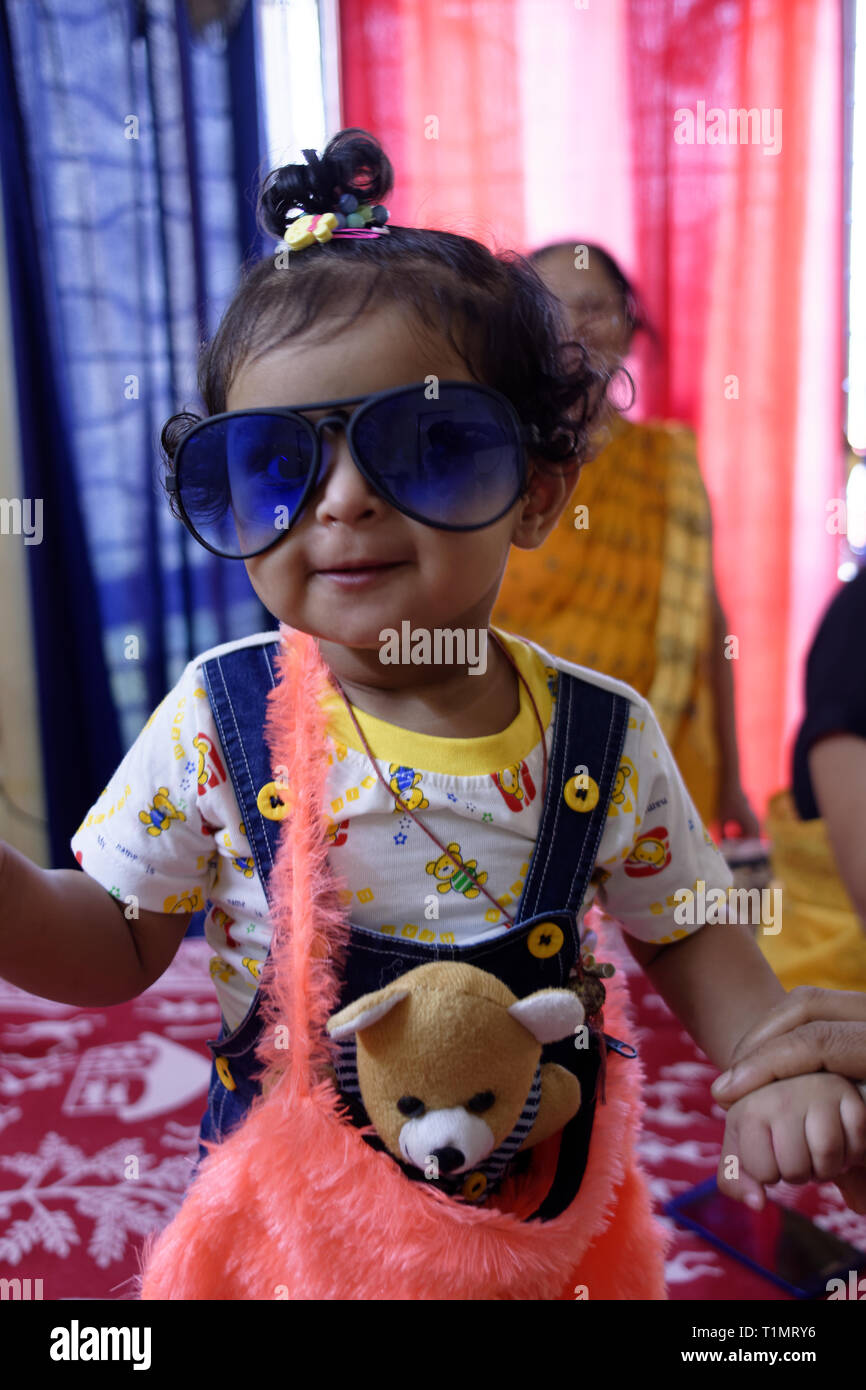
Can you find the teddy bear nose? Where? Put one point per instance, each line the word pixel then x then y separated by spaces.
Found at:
pixel 449 1158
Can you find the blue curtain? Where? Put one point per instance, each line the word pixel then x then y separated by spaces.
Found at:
pixel 129 152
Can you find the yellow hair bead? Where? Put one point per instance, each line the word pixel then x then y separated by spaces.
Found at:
pixel 311 227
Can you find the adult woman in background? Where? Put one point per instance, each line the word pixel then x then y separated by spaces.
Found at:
pixel 627 586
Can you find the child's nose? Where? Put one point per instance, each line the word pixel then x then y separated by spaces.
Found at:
pixel 343 494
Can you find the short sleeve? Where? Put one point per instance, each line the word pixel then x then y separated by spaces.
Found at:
pixel 660 849
pixel 147 834
pixel 835 685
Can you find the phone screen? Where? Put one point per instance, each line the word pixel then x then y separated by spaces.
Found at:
pixel 782 1242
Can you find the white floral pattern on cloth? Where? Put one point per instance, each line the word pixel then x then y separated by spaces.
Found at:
pixel 73 1215
pixel 99 1121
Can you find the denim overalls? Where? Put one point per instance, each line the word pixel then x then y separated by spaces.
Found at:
pixel 540 951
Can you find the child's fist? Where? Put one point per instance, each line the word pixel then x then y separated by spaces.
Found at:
pixel 801 1129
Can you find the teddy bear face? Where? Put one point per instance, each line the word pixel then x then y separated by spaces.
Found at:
pixel 424 1101
pixel 447 1057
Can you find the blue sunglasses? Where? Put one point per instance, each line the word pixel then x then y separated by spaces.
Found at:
pixel 456 462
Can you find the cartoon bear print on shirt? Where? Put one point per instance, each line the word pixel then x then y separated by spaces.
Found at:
pixel 450 876
pixel 210 772
pixel 405 781
pixel 516 785
pixel 650 853
pixel 624 794
pixel 337 833
pixel 160 813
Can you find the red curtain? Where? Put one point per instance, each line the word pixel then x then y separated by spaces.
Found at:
pixel 519 122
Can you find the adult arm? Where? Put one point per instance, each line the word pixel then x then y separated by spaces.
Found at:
pixel 837 767
pixel 733 802
pixel 809 1030
pixel 713 981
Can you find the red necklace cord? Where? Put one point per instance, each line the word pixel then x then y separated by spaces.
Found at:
pixel 402 806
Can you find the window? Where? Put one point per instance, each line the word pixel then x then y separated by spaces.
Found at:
pixel 855 260
pixel 299 56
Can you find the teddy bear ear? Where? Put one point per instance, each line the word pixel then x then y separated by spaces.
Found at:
pixel 363 1013
pixel 549 1014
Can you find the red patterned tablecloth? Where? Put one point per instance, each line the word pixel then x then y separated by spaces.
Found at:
pixel 99 1116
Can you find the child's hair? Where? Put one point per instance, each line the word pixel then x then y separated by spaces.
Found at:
pixel 494 309
pixel 633 307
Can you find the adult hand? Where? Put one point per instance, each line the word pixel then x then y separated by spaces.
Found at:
pixel 735 808
pixel 810 1030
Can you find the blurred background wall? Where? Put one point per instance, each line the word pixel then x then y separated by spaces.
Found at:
pixel 132 136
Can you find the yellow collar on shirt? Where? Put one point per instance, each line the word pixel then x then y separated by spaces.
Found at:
pixel 463 757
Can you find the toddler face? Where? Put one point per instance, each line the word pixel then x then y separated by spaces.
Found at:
pixel 352 564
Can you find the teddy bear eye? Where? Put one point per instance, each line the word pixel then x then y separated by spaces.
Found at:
pixel 481 1102
pixel 410 1105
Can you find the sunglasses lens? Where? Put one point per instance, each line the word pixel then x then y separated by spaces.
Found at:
pixel 241 480
pixel 456 461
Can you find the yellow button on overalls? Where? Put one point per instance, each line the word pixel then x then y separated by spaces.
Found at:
pixel 581 793
pixel 474 1187
pixel 224 1074
pixel 272 801
pixel 545 940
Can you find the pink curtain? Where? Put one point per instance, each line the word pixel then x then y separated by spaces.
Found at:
pixel 519 123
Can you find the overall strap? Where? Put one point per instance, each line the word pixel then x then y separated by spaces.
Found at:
pixel 588 737
pixel 238 684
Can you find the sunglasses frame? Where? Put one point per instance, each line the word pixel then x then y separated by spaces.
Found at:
pixel 523 434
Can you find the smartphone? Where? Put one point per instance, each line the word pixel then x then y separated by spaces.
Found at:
pixel 785 1246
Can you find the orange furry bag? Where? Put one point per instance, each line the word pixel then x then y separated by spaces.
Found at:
pixel 295 1205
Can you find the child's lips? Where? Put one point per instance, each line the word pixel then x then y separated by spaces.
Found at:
pixel 360 573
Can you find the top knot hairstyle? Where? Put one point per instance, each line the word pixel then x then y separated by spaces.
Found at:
pixel 354 162
pixel 494 309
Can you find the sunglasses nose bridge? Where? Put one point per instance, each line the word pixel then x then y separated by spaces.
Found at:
pixel 335 419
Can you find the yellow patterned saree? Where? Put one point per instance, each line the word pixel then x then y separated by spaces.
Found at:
pixel 822 941
pixel 623 585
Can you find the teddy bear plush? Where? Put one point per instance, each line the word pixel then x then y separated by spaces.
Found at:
pixel 447 1056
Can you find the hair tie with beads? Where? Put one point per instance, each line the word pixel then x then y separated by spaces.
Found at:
pixel 350 219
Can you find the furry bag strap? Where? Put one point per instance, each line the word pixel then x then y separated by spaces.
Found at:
pixel 295 1205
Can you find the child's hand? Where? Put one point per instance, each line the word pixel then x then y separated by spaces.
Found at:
pixel 801 1129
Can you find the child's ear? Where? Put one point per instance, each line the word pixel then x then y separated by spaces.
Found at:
pixel 548 490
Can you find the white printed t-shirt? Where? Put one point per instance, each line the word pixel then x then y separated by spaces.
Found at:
pixel 154 836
